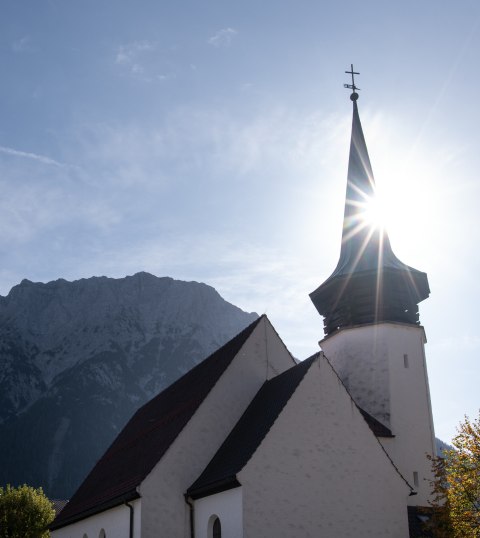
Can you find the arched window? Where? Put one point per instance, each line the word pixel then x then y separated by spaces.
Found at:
pixel 214 529
pixel 217 529
pixel 102 534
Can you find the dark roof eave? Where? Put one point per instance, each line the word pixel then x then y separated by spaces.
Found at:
pixel 142 443
pixel 214 487
pixel 250 430
pixel 330 287
pixel 112 503
pixel 378 429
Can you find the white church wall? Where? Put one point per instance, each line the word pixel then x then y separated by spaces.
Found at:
pixel 164 507
pixel 227 506
pixel 360 358
pixel 384 368
pixel 321 472
pixel 115 522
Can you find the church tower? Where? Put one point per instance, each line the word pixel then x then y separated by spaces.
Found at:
pixel 373 336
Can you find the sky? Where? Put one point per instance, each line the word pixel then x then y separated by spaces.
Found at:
pixel 208 141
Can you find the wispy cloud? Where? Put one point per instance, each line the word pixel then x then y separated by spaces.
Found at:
pixel 131 205
pixel 142 60
pixel 26 155
pixel 23 44
pixel 132 56
pixel 205 146
pixel 223 37
pixel 41 205
pixel 128 54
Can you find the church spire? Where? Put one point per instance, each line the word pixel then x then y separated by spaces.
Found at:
pixel 370 284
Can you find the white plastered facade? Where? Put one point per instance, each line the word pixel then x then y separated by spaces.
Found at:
pixel 114 522
pixel 163 506
pixel 262 356
pixel 383 367
pixel 321 472
pixel 227 506
pixel 318 472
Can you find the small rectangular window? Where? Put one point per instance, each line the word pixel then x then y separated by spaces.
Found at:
pixel 405 360
pixel 415 478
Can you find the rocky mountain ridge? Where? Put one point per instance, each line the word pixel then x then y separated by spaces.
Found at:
pixel 78 358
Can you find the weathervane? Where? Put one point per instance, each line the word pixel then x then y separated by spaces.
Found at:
pixel 352 86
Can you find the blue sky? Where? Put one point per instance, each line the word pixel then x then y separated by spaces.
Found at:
pixel 209 141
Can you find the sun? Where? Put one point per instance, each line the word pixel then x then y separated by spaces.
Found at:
pixel 400 208
pixel 373 213
pixel 367 215
pixel 408 195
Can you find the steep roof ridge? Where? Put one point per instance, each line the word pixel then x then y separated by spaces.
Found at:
pixel 250 431
pixel 294 361
pixel 144 431
pixel 236 342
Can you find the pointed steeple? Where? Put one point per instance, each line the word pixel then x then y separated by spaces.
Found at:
pixel 370 284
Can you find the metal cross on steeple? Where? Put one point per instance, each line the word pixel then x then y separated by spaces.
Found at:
pixel 352 85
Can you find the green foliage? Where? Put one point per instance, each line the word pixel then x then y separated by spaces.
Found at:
pixel 25 512
pixel 456 488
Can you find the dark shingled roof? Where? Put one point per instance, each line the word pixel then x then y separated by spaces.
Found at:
pixel 251 429
pixel 249 432
pixel 147 436
pixel 376 426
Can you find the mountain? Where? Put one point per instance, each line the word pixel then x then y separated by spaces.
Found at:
pixel 441 446
pixel 78 358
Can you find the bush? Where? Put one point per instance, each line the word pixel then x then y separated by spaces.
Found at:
pixel 25 512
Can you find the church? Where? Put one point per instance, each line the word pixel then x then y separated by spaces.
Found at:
pixel 252 444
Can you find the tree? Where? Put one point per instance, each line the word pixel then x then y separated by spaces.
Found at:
pixel 456 487
pixel 25 512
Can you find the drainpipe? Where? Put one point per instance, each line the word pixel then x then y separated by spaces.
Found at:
pixel 188 500
pixel 130 534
